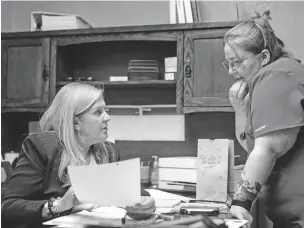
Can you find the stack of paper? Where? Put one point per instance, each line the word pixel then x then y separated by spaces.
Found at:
pixel 57 21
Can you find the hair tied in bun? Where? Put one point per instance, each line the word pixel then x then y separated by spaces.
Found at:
pixel 266 16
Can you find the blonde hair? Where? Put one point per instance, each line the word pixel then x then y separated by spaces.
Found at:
pixel 255 35
pixel 73 99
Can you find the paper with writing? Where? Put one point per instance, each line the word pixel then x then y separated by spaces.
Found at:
pixel 212 170
pixel 107 184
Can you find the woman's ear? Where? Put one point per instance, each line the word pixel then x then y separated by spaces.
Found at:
pixel 265 57
pixel 76 123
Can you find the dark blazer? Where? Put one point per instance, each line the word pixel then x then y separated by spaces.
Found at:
pixel 35 180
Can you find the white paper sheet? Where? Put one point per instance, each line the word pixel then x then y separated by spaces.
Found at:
pixel 107 184
pixel 235 223
pixel 85 218
pixel 165 201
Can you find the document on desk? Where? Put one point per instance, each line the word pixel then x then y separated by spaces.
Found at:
pixel 212 170
pixel 235 223
pixel 115 183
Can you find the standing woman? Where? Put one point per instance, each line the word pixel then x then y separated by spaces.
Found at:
pixel 269 121
pixel 74 132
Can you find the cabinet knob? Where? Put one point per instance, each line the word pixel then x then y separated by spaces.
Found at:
pixel 45 73
pixel 188 71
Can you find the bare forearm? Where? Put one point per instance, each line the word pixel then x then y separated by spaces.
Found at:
pixel 240 125
pixel 256 172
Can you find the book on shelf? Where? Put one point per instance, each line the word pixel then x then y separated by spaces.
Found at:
pixel 172 7
pixel 184 11
pixel 44 21
pixel 188 11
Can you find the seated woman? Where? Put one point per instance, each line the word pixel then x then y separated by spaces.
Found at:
pixel 74 132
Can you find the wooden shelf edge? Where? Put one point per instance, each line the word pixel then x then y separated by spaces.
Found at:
pixel 188 110
pixel 151 83
pixel 22 109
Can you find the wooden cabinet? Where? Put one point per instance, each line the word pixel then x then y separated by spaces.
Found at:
pixel 25 72
pixel 103 56
pixel 206 82
pixel 36 64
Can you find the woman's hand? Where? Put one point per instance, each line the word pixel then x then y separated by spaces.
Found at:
pixel 84 206
pixel 68 201
pixel 239 96
pixel 142 210
pixel 241 213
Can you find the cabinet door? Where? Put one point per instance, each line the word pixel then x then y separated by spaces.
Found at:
pixel 206 82
pixel 25 72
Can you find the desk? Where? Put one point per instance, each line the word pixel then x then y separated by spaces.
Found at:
pixel 178 219
pixel 82 220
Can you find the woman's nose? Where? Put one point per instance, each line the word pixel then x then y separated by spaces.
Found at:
pixel 232 72
pixel 106 117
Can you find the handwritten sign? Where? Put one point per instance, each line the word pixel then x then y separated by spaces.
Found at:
pixel 212 169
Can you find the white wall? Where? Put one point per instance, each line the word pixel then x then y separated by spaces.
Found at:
pixel 97 13
pixel 287 21
pixel 287 18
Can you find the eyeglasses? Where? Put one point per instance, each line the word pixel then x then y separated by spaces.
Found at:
pixel 234 64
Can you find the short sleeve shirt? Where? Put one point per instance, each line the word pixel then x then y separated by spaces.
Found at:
pixel 277 95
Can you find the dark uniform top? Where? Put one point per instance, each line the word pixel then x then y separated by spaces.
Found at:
pixel 277 97
pixel 35 180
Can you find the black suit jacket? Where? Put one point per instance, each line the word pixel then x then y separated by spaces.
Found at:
pixel 35 180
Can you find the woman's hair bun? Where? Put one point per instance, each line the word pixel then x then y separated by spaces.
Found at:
pixel 263 19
